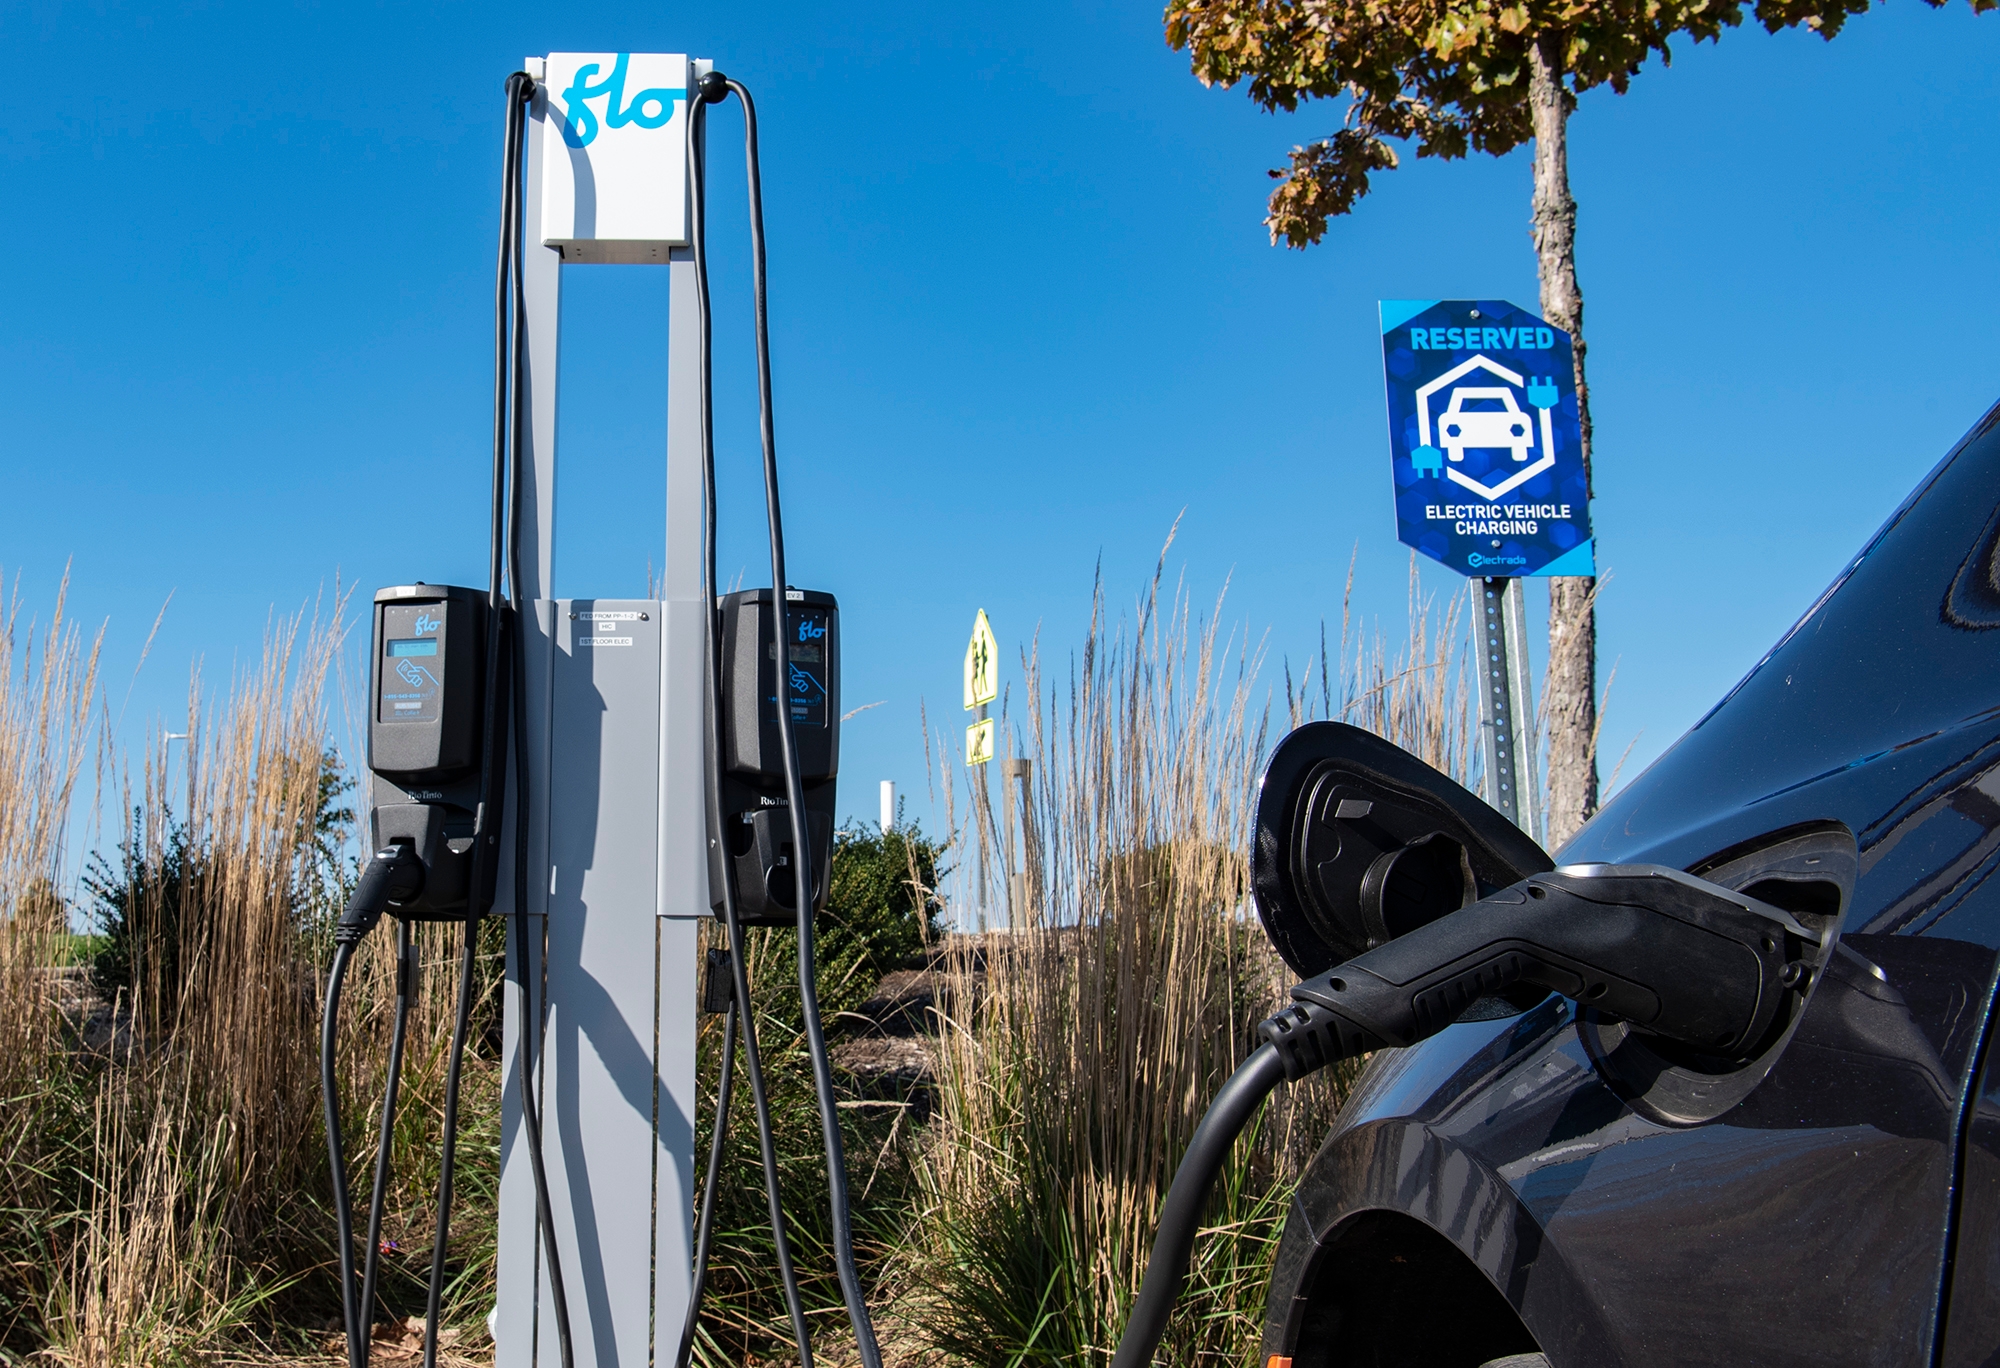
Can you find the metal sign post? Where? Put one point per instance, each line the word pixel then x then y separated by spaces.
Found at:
pixel 1506 701
pixel 1486 447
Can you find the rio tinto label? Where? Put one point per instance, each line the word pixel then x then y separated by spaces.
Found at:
pixel 613 129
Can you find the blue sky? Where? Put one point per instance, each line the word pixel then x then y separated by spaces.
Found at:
pixel 1024 315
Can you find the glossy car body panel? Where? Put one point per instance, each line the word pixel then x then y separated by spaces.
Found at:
pixel 1814 1220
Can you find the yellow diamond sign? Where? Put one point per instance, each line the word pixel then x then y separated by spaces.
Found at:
pixel 979 742
pixel 982 664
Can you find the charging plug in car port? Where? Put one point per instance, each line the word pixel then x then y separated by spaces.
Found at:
pixel 1681 958
pixel 1358 843
pixel 1809 872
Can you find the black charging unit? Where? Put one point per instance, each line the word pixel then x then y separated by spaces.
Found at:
pixel 756 837
pixel 427 699
pixel 437 751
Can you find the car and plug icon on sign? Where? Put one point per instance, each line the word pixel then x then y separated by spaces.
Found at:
pixel 1506 427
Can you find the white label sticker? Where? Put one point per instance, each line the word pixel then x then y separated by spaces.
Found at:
pixel 609 617
pixel 604 641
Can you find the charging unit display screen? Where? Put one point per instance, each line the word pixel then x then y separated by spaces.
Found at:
pixel 808 660
pixel 410 674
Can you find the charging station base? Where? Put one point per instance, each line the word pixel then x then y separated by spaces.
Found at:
pixel 613 934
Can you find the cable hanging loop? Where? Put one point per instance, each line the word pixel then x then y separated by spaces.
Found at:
pixel 713 88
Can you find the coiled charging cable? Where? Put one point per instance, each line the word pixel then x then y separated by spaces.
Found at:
pixel 714 88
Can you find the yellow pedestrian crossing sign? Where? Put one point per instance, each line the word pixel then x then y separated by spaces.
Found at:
pixel 982 664
pixel 979 742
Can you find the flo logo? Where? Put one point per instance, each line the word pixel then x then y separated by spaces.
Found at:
pixel 650 108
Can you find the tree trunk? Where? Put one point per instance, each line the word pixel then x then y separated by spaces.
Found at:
pixel 1570 692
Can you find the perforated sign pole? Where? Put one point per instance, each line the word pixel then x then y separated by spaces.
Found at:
pixel 1506 701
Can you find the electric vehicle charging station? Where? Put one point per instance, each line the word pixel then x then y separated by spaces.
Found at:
pixel 676 756
pixel 615 760
pixel 604 812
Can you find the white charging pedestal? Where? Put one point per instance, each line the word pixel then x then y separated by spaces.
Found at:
pixel 616 757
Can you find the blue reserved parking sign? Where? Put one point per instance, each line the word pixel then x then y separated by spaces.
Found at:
pixel 1484 438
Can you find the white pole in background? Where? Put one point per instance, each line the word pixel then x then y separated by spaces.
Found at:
pixel 888 805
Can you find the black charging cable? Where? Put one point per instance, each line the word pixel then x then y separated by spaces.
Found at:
pixel 393 874
pixel 343 1211
pixel 1180 1215
pixel 705 1227
pixel 468 963
pixel 803 871
pixel 406 965
pixel 714 88
pixel 510 415
pixel 493 719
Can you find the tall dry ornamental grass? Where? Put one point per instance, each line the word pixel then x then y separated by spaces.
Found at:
pixel 46 699
pixel 191 1127
pixel 1417 694
pixel 201 1144
pixel 162 1174
pixel 48 690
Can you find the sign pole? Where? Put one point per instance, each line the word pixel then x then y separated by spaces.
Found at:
pixel 1018 774
pixel 1521 690
pixel 1506 700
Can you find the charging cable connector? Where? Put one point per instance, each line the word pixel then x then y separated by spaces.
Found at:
pixel 393 874
pixel 1675 956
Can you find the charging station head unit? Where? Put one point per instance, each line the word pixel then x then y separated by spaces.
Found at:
pixel 757 831
pixel 427 689
pixel 430 660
